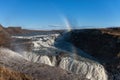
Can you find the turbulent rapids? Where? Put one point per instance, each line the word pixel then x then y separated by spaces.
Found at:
pixel 44 51
pixel 84 67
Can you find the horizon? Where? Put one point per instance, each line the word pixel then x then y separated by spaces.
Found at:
pixel 20 27
pixel 60 14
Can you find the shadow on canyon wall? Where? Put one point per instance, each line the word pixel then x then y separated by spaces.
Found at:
pixel 96 43
pixel 101 45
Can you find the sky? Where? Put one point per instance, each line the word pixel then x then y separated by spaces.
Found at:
pixel 55 14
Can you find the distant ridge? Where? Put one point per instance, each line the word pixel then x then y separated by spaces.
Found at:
pixel 4 37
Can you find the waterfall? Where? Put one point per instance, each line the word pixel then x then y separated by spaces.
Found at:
pixel 48 53
pixel 91 70
pixel 82 66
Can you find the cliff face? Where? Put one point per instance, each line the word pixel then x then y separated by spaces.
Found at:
pixel 103 46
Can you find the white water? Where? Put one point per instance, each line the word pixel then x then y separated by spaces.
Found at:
pixel 89 69
pixel 15 61
pixel 84 67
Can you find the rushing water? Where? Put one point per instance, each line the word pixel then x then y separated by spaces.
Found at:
pixel 54 50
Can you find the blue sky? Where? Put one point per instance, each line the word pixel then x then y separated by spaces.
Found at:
pixel 41 14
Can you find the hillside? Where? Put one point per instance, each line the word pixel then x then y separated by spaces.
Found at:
pixel 4 37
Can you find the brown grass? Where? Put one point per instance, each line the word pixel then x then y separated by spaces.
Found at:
pixel 7 74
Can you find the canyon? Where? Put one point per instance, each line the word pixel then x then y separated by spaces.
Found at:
pixel 79 54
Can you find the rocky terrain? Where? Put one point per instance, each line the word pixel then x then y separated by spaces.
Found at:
pixel 85 54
